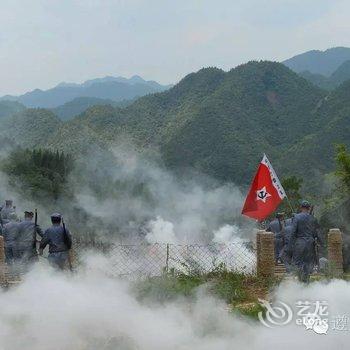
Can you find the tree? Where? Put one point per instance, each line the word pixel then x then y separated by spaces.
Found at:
pixel 292 185
pixel 39 173
pixel 343 165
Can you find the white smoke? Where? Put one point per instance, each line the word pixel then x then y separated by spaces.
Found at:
pixel 242 258
pixel 123 195
pixel 161 231
pixel 226 234
pixel 140 195
pixel 89 310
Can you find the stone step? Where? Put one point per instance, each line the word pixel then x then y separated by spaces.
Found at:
pixel 280 270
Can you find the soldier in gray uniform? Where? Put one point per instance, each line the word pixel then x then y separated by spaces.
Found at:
pixel 59 240
pixel 302 242
pixel 277 227
pixel 25 245
pixel 287 232
pixel 6 211
pixel 10 233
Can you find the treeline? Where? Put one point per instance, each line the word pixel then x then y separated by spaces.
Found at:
pixel 39 173
pixel 332 201
pixel 53 162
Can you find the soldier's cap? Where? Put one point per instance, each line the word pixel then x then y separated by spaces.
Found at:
pixel 305 204
pixel 28 213
pixel 56 216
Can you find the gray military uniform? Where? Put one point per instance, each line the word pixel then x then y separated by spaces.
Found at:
pixel 287 233
pixel 9 233
pixel 55 238
pixel 25 246
pixel 276 226
pixel 304 231
pixel 6 213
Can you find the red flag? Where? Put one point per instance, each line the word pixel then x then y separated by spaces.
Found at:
pixel 265 194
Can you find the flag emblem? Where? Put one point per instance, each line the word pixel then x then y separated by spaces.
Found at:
pixel 262 195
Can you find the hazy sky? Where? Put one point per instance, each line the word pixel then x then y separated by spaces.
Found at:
pixel 44 42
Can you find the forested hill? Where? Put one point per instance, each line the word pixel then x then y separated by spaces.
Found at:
pixel 313 154
pixel 220 123
pixel 217 122
pixel 8 108
pixel 319 62
pixel 339 76
pixel 30 127
pixel 80 104
pixel 327 69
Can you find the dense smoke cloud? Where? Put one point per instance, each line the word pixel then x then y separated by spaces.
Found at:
pixel 89 310
pixel 135 191
pixel 123 195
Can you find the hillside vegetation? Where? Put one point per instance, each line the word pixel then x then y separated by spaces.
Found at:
pixel 30 128
pixel 8 108
pixel 79 105
pixel 339 76
pixel 217 122
pixel 315 151
pixel 319 62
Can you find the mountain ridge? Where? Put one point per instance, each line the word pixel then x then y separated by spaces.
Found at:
pixel 213 121
pixel 116 89
pixel 318 61
pixel 339 76
pixel 220 123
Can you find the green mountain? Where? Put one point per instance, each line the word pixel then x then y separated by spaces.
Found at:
pixel 30 128
pixel 110 88
pixel 319 62
pixel 313 154
pixel 341 74
pixel 217 122
pixel 318 80
pixel 8 108
pixel 80 104
pixel 77 138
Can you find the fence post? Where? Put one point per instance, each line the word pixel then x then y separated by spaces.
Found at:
pixel 335 251
pixel 167 258
pixel 265 244
pixel 71 259
pixel 2 261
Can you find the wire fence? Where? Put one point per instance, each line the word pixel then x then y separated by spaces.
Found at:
pixel 142 260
